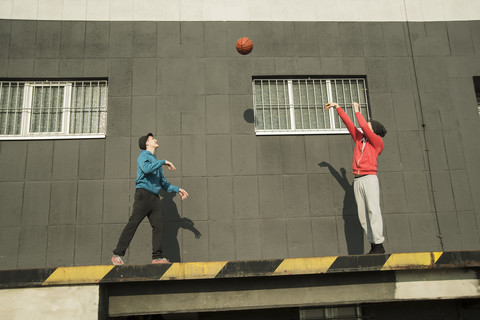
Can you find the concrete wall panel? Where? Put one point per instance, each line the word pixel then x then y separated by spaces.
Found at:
pixel 60 245
pixel 90 202
pixel 22 40
pixel 468 230
pixel 46 68
pixel 11 195
pixel 449 227
pixel 299 238
pixel 9 243
pixel 116 200
pixel 144 76
pixel 396 39
pixel 96 39
pixel 143 115
pixel 295 190
pixel 48 39
pixel 88 240
pixel 144 39
pixel 39 160
pixel 32 250
pixel 5 33
pixel 247 238
pixel 244 155
pixel 220 198
pixel 217 114
pixel 373 39
pixel 321 195
pixel 196 208
pixel 72 41
pixel 221 240
pixel 120 39
pixel 271 196
pixel 219 155
pixel 397 230
pixel 274 239
pixel 96 68
pixel 71 68
pixel 245 197
pixel 36 203
pixel 424 233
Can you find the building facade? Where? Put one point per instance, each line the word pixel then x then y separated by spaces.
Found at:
pixel 65 201
pixel 171 68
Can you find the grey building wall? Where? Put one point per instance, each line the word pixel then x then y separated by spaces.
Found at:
pixel 65 202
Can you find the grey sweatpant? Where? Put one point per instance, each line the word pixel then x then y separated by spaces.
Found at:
pixel 367 196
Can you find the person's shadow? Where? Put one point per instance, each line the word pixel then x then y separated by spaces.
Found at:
pixel 172 222
pixel 352 228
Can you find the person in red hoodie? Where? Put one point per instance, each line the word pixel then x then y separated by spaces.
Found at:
pixel 368 146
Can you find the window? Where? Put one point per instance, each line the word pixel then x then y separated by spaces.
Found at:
pixel 337 313
pixel 476 83
pixel 53 109
pixel 295 106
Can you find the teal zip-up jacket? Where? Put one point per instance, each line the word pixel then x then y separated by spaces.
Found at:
pixel 150 174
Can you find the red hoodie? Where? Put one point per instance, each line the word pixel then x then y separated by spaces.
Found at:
pixel 368 145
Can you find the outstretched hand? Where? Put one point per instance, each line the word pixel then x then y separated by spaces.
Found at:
pixel 331 105
pixel 184 194
pixel 170 165
pixel 356 107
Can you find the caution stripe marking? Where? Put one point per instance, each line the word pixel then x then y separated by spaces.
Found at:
pixel 411 260
pixel 236 269
pixel 304 266
pixel 193 270
pixel 76 275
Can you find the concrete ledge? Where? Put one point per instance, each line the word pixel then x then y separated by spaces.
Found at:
pixel 236 269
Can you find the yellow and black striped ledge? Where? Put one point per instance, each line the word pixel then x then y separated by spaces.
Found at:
pixel 81 275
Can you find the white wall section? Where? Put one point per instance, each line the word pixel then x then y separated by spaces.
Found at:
pixel 439 284
pixel 241 10
pixel 75 302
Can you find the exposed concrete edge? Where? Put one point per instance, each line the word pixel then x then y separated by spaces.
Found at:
pixel 80 275
pixel 292 291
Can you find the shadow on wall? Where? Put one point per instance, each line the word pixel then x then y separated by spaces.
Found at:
pixel 249 116
pixel 352 228
pixel 173 223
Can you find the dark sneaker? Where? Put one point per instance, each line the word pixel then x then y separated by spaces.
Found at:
pixel 160 260
pixel 117 260
pixel 377 249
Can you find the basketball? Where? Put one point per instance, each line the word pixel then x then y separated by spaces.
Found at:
pixel 244 45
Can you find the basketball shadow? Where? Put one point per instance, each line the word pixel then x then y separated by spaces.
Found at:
pixel 172 223
pixel 352 228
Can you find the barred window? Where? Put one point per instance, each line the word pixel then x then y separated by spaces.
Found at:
pixel 295 106
pixel 53 109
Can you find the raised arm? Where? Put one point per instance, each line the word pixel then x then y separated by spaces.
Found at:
pixel 354 132
pixel 374 139
pixel 149 164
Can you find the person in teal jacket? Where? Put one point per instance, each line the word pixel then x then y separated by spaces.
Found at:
pixel 150 180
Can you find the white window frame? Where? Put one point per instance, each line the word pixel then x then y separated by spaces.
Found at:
pixel 63 133
pixel 332 113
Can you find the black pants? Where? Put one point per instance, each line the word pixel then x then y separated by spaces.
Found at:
pixel 146 205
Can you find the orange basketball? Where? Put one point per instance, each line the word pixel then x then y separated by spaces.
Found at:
pixel 244 45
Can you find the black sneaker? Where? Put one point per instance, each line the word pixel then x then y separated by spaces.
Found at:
pixel 377 249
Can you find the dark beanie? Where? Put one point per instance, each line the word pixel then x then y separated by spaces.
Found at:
pixel 378 128
pixel 142 142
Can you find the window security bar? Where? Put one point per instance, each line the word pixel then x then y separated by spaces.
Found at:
pixel 295 106
pixel 53 109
